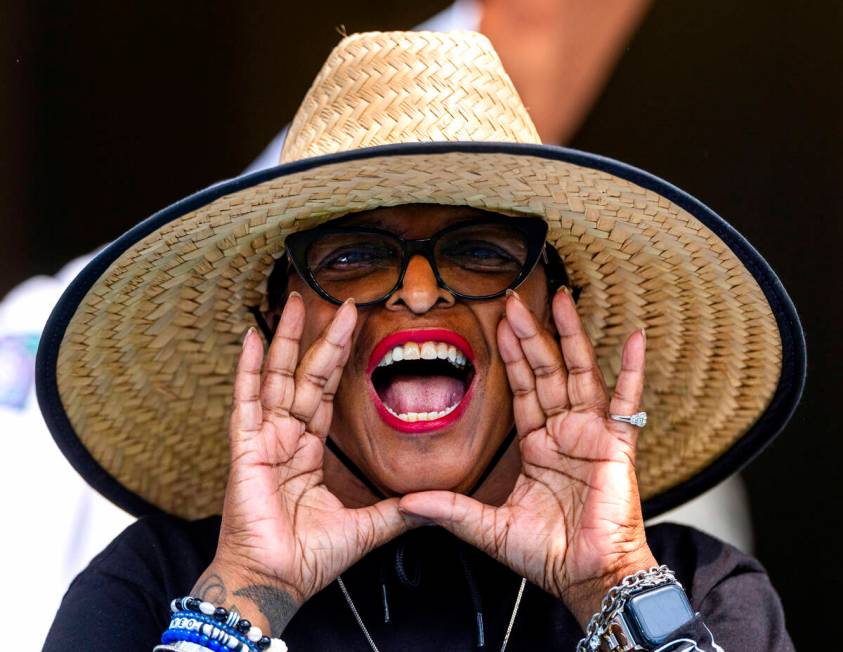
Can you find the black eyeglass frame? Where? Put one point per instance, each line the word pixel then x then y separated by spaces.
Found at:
pixel 534 231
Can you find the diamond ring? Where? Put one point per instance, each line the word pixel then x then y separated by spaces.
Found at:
pixel 638 419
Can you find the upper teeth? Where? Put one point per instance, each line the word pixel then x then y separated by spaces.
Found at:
pixel 412 417
pixel 424 351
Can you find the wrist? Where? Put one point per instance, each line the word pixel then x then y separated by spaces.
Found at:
pixel 585 598
pixel 266 603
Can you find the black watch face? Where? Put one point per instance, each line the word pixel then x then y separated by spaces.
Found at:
pixel 655 613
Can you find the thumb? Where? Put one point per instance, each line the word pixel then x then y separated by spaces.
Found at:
pixel 459 514
pixel 380 523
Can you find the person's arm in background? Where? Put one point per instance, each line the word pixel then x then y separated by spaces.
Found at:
pixel 560 54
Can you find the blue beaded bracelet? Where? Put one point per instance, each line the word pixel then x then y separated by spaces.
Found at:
pixel 175 635
pixel 181 618
pixel 226 620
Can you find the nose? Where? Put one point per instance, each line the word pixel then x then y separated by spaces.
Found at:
pixel 419 292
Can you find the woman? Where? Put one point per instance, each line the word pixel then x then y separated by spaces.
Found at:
pixel 422 331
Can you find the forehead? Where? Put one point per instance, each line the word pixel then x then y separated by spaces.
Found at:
pixel 414 220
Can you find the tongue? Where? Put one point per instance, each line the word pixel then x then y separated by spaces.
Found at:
pixel 422 393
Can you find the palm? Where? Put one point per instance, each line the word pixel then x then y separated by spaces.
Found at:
pixel 569 518
pixel 279 516
pixel 574 511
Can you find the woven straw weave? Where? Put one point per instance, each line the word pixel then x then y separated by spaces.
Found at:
pixel 145 369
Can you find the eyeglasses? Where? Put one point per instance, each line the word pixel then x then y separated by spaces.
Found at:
pixel 473 260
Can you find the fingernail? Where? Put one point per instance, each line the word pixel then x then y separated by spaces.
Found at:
pixel 519 320
pixel 342 326
pixel 345 305
pixel 644 335
pixel 249 331
pixel 564 289
pixel 294 294
pixel 512 293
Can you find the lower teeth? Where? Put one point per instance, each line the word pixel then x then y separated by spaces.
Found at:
pixel 412 417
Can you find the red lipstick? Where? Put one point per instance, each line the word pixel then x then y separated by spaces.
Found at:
pixel 420 335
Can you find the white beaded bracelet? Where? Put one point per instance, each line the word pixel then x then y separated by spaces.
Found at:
pixel 211 631
pixel 277 645
pixel 226 618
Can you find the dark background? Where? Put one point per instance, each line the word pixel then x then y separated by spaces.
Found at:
pixel 112 110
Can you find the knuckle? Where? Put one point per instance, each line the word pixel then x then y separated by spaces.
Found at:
pixel 334 345
pixel 580 370
pixel 543 371
pixel 279 372
pixel 277 411
pixel 320 380
pixel 299 415
pixel 619 396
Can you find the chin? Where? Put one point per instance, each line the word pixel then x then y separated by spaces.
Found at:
pixel 425 478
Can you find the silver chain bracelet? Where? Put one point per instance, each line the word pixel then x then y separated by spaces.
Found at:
pixel 600 626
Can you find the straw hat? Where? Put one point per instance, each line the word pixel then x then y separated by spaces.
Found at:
pixel 136 363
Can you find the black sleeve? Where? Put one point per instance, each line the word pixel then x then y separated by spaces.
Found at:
pixel 739 609
pixel 120 602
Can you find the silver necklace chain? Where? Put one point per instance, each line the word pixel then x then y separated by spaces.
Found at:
pixel 371 641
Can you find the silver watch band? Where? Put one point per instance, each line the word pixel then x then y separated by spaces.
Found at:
pixel 607 627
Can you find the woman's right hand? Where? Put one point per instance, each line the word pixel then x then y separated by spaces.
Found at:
pixel 284 535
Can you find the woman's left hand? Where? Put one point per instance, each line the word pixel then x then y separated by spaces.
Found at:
pixel 573 523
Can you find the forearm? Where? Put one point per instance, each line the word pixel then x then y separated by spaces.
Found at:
pixel 266 606
pixel 584 599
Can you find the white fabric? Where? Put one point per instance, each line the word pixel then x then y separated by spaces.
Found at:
pixel 463 14
pixel 722 512
pixel 54 522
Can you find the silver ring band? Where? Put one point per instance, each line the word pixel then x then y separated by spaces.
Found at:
pixel 639 419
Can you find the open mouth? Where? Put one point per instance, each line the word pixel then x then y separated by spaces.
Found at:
pixel 421 379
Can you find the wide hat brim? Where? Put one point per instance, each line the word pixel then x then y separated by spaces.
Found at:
pixel 135 367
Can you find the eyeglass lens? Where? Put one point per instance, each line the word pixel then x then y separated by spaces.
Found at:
pixel 477 260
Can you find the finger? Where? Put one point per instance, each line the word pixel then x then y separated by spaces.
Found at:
pixel 376 525
pixel 586 389
pixel 465 517
pixel 529 415
pixel 320 423
pixel 246 415
pixel 278 387
pixel 542 353
pixel 626 399
pixel 320 362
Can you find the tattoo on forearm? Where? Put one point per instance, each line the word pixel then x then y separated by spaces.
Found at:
pixel 212 589
pixel 276 605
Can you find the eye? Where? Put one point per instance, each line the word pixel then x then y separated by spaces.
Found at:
pixel 479 255
pixel 355 257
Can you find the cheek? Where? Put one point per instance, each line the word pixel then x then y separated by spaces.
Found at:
pixel 534 293
pixel 318 313
pixel 488 316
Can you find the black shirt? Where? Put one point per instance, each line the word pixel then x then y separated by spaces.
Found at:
pixel 121 601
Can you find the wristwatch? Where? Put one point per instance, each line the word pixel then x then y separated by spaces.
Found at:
pixel 639 613
pixel 648 616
